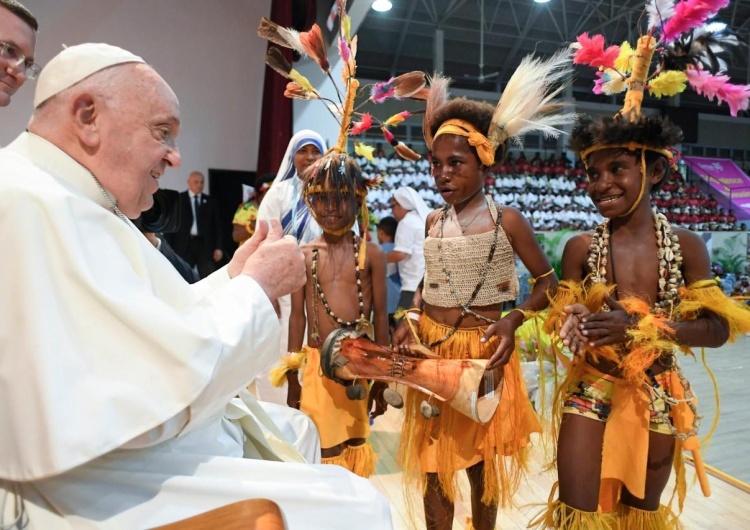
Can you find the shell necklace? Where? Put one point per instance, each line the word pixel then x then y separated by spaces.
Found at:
pixel 668 252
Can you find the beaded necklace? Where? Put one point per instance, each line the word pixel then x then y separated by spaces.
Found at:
pixel 669 254
pixel 361 324
pixel 670 278
pixel 465 307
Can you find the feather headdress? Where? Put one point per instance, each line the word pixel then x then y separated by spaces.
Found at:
pixel 688 49
pixel 527 104
pixel 346 110
pixel 336 171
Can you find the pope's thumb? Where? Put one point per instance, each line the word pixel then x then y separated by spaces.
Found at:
pixel 275 232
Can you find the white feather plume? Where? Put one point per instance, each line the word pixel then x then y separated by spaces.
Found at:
pixel 527 102
pixel 659 11
pixel 437 96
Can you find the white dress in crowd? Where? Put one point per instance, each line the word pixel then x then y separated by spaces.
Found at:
pixel 116 375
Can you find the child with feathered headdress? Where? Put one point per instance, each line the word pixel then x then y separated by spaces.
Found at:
pixel 346 285
pixel 470 272
pixel 635 290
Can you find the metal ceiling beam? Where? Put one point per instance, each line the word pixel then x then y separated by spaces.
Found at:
pixel 431 10
pixel 565 21
pixel 402 37
pixel 515 17
pixel 510 58
pixel 452 8
pixel 554 22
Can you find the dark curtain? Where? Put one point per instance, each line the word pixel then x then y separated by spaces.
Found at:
pixel 276 114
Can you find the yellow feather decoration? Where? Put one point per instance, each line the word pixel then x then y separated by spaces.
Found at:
pixel 347 25
pixel 365 151
pixel 668 83
pixel 624 61
pixel 707 295
pixel 301 80
pixel 289 362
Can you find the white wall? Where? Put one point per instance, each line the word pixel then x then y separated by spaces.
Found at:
pixel 208 51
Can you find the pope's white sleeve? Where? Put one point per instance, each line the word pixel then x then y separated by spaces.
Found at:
pixel 103 341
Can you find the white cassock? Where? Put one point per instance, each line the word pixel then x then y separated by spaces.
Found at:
pixel 116 375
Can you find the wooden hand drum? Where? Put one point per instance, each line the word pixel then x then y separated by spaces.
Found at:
pixel 464 384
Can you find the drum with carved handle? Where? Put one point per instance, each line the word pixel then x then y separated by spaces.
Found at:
pixel 464 384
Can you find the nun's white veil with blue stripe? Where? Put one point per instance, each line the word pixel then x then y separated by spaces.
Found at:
pixel 296 218
pixel 298 141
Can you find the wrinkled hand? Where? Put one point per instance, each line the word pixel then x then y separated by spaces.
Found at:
pixel 570 333
pixel 403 337
pixel 600 329
pixel 277 264
pixel 504 330
pixel 294 391
pixel 248 248
pixel 376 399
pixel 218 254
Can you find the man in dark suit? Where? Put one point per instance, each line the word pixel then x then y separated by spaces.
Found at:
pixel 198 240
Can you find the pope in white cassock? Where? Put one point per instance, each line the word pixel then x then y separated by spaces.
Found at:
pixel 115 374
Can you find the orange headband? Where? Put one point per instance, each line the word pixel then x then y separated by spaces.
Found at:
pixel 476 139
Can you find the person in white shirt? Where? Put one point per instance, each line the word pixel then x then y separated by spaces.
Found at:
pixel 411 213
pixel 117 374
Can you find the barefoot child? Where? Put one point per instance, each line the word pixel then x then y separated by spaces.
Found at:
pixel 470 271
pixel 341 292
pixel 634 291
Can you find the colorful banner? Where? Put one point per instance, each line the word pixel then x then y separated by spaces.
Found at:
pixel 725 177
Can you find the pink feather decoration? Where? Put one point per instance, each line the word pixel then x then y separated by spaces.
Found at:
pixel 690 14
pixel 388 135
pixel 344 51
pixel 361 126
pixel 718 87
pixel 591 52
pixel 382 91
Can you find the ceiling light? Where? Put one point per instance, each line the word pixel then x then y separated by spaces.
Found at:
pixel 541 1
pixel 382 5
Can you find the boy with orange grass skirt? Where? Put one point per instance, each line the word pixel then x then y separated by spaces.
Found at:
pixel 632 293
pixel 470 271
pixel 345 285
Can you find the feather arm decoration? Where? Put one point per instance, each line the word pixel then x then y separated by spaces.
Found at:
pixel 527 101
pixel 437 96
pixel 624 61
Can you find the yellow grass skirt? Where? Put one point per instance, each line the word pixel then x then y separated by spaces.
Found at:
pixel 452 441
pixel 337 417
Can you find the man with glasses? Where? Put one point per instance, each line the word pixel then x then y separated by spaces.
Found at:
pixel 18 29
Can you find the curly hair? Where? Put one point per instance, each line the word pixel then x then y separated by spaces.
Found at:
pixel 658 133
pixel 478 113
pixel 335 172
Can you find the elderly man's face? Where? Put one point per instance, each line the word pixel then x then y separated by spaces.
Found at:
pixel 16 33
pixel 139 140
pixel 196 182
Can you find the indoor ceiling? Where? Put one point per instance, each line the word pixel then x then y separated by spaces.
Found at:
pixel 402 39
